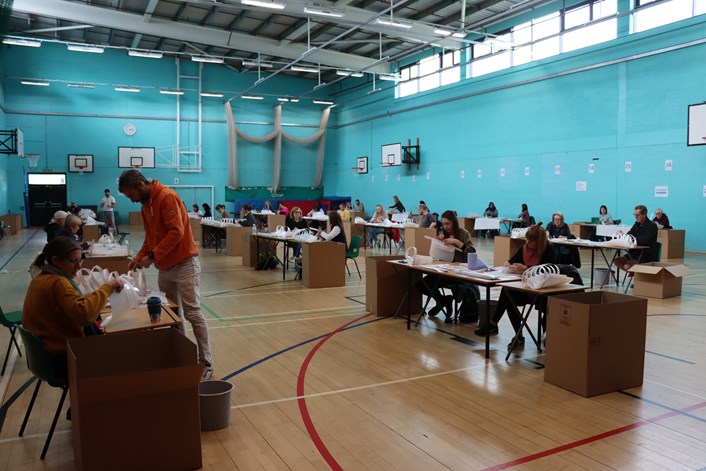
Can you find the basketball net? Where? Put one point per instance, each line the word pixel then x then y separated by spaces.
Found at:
pixel 32 159
pixel 80 168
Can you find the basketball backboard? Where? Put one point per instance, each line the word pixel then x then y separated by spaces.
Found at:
pixel 136 157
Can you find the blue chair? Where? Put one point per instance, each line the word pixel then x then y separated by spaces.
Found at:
pixel 10 320
pixel 40 364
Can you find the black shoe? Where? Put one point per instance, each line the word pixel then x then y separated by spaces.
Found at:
pixel 433 312
pixel 449 308
pixel 492 330
pixel 518 344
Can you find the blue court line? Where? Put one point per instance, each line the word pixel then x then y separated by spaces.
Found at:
pixel 655 403
pixel 18 250
pixel 670 357
pixel 273 355
pixel 4 408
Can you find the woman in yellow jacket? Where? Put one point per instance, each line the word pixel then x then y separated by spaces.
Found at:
pixel 54 307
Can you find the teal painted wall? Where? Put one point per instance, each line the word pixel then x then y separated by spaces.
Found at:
pixel 58 121
pixel 628 111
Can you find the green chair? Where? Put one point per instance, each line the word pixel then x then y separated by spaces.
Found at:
pixel 10 320
pixel 40 364
pixel 595 220
pixel 352 253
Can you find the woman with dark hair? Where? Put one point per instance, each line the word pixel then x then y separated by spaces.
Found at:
pixel 603 215
pixel 295 221
pixel 491 211
pixel 337 234
pixel 535 251
pixel 525 216
pixel 54 307
pixel 454 235
pixel 206 210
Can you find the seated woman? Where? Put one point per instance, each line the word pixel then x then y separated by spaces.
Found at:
pixel 206 210
pixel 221 212
pixel 248 220
pixel 54 308
pixel 456 236
pixel 195 213
pixel 379 217
pixel 282 209
pixel 604 216
pixel 56 223
pixel 490 212
pixel 525 216
pixel 71 228
pixel 295 221
pixel 558 229
pixel 661 219
pixel 316 212
pixel 337 234
pixel 268 206
pixel 535 251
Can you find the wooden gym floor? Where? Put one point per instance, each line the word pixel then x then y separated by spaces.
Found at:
pixel 321 384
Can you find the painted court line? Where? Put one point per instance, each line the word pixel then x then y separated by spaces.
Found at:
pixel 300 319
pixel 289 313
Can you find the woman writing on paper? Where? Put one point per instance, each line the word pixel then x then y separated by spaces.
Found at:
pixel 453 235
pixel 54 308
pixel 337 234
pixel 535 251
pixel 295 221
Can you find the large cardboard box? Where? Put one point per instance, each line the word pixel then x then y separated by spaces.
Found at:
pixel 234 239
pixel 386 287
pixel 135 401
pixel 91 232
pixel 323 264
pixel 196 233
pixel 249 249
pixel 14 221
pixel 274 220
pixel 415 237
pixel 672 242
pixel 117 263
pixel 135 218
pixel 504 247
pixel 595 342
pixel 658 280
pixel 466 223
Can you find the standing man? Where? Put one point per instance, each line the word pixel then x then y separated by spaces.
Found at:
pixel 108 204
pixel 170 245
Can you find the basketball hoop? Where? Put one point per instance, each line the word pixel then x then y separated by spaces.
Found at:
pixel 137 167
pixel 81 168
pixel 32 159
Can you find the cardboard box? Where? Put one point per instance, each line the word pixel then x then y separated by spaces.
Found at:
pixel 112 263
pixel 504 247
pixel 323 264
pixel 415 237
pixel 135 401
pixel 195 225
pixel 92 232
pixel 274 220
pixel 14 221
pixel 248 249
pixel 595 342
pixel 386 287
pixel 658 280
pixel 234 239
pixel 135 218
pixel 466 223
pixel 672 242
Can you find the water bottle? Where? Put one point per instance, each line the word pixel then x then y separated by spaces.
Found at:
pixel 254 229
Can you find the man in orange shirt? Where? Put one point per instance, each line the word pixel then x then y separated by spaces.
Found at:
pixel 170 246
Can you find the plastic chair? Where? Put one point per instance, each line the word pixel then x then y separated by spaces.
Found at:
pixel 595 220
pixel 617 221
pixel 352 253
pixel 40 364
pixel 10 320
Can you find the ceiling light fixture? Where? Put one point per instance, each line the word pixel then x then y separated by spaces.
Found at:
pixel 446 32
pixel 324 11
pixel 348 73
pixel 394 23
pixel 165 91
pixel 294 100
pixel 261 64
pixel 127 89
pixel 284 100
pixel 92 49
pixel 264 4
pixel 81 85
pixel 147 54
pixel 252 97
pixel 389 77
pixel 323 102
pixel 299 68
pixel 212 95
pixel 21 42
pixel 36 83
pixel 210 60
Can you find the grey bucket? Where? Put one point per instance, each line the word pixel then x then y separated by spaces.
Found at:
pixel 603 277
pixel 214 402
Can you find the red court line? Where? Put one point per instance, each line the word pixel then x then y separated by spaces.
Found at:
pixel 318 442
pixel 585 441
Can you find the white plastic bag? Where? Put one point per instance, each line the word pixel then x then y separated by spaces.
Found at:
pixel 518 233
pixel 441 251
pixel 359 220
pixel 544 276
pixel 414 259
pixel 624 240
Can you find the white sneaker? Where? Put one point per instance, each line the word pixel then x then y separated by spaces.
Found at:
pixel 207 373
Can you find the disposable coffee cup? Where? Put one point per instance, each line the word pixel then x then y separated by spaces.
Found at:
pixel 472 261
pixel 154 308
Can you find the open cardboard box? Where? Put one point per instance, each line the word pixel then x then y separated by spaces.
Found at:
pixel 135 401
pixel 658 280
pixel 595 342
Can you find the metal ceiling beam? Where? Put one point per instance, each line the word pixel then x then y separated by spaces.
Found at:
pixel 146 18
pixel 470 9
pixel 83 13
pixel 432 8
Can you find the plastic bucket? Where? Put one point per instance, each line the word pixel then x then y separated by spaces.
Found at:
pixel 214 402
pixel 603 277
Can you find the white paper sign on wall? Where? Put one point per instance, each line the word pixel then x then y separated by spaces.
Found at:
pixel 591 168
pixel 667 165
pixel 176 181
pixel 372 178
pixel 463 174
pixel 580 186
pixel 479 173
pixel 398 177
pixel 527 171
pixel 704 191
pixel 557 169
pixel 661 192
pixel 628 166
pixel 502 172
pixel 386 178
pixel 428 175
pixel 414 178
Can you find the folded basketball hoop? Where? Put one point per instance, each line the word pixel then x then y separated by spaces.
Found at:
pixel 32 159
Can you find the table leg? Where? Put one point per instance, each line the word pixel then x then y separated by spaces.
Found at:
pixel 433 290
pixel 523 323
pixel 593 257
pixel 487 328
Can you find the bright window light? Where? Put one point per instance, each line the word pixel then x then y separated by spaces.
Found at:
pixel 491 64
pixel 664 13
pixel 590 35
